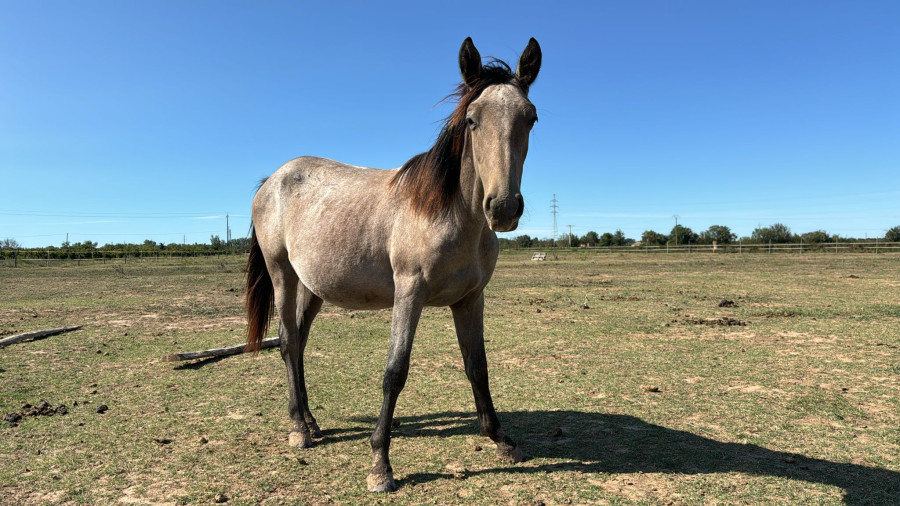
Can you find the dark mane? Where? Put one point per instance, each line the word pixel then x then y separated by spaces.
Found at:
pixel 430 180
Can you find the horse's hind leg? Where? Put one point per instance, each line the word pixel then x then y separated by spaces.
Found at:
pixel 308 306
pixel 297 307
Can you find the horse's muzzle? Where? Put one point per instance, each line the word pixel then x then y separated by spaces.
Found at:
pixel 503 213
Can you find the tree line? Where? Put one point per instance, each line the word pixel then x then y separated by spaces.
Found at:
pixel 88 249
pixel 777 233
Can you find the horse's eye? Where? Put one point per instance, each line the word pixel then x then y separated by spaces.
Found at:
pixel 471 122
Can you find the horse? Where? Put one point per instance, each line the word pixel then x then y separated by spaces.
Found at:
pixel 421 235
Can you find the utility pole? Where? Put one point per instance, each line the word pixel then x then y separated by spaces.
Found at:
pixel 554 209
pixel 227 233
pixel 570 236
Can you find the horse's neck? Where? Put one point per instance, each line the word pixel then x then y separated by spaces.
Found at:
pixel 471 191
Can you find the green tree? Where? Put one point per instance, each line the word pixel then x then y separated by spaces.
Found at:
pixel 240 243
pixel 10 243
pixel 524 241
pixel 652 238
pixel 606 239
pixel 683 235
pixel 777 233
pixel 815 237
pixel 619 238
pixel 216 243
pixel 893 235
pixel 566 241
pixel 719 233
pixel 591 238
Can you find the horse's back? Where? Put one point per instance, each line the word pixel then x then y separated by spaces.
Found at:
pixel 332 223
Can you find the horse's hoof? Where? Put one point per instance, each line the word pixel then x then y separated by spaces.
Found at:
pixel 300 440
pixel 381 482
pixel 512 454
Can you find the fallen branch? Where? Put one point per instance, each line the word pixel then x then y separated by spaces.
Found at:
pixel 6 341
pixel 220 352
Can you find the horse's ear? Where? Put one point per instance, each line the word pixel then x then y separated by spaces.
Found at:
pixel 469 62
pixel 529 63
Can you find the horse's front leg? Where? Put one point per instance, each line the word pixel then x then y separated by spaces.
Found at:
pixel 468 316
pixel 407 309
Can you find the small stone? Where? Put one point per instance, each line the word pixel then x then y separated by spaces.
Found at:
pixel 477 448
pixel 648 388
pixel 103 408
pixel 220 498
pixel 203 440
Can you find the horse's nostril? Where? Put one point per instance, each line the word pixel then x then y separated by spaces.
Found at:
pixel 487 203
pixel 521 203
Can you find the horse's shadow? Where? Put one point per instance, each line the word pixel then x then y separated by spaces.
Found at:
pixel 604 443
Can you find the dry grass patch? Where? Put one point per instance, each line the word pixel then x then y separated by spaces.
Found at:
pixel 629 400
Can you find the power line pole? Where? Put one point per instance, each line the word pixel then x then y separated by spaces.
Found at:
pixel 570 236
pixel 554 209
pixel 227 233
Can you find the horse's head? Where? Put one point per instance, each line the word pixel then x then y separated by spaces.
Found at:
pixel 499 120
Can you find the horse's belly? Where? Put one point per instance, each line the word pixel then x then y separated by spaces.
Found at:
pixel 362 288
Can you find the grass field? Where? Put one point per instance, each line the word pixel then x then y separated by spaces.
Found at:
pixel 653 394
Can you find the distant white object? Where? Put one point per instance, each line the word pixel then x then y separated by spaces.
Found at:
pixel 539 256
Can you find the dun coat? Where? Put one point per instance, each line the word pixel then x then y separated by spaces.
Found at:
pixel 421 235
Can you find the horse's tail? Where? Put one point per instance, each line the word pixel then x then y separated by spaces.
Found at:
pixel 260 296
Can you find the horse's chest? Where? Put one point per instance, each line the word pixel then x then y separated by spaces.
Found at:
pixel 450 279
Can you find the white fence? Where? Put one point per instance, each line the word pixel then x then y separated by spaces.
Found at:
pixel 873 247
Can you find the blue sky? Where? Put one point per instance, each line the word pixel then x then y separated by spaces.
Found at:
pixel 125 121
